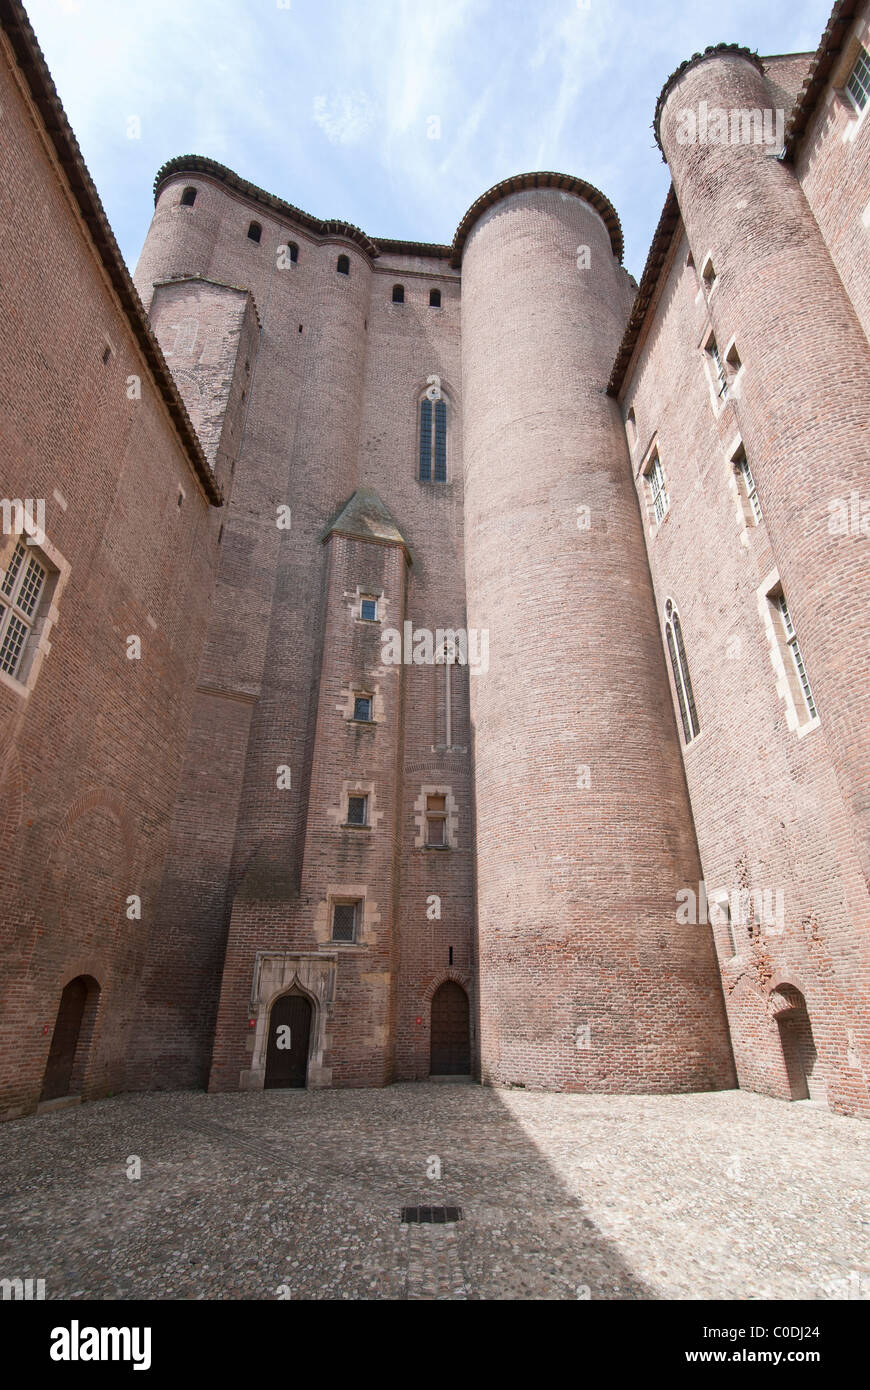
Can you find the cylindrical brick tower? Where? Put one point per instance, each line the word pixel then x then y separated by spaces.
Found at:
pixel 584 831
pixel 804 405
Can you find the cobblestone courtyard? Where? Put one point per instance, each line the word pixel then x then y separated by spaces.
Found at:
pixel 299 1193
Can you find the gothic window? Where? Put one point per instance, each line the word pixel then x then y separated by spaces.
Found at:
pixel 342 265
pixel 188 198
pixel 680 668
pixel 21 592
pixel 255 231
pixel 433 440
pixel 398 294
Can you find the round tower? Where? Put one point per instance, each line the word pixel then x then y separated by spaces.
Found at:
pixel 584 832
pixel 804 403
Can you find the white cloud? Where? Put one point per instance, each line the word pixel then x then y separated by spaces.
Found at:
pixel 345 118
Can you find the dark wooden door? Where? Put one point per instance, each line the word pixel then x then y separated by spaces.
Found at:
pixel 451 1043
pixel 287 1048
pixel 64 1040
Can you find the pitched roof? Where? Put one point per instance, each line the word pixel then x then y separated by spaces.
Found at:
pixel 366 517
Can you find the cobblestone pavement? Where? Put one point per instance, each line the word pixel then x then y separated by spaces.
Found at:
pixel 298 1194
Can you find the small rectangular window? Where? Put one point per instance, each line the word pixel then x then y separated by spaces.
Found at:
pixel 858 85
pixel 357 809
pixel 718 366
pixel 344 921
pixel 436 821
pixel 792 644
pixel 655 481
pixel 362 708
pixel 747 485
pixel 369 610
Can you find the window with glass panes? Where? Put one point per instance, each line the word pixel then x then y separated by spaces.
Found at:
pixel 20 594
pixel 794 648
pixel 858 85
pixel 433 441
pixel 436 820
pixel 655 480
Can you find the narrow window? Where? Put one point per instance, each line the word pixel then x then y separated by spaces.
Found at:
pixel 858 85
pixel 357 810
pixel 342 265
pixel 255 231
pixel 655 481
pixel 433 441
pixel 719 378
pixel 294 251
pixel 398 294
pixel 434 299
pixel 20 595
pixel 631 427
pixel 369 610
pixel 680 668
pixel 792 644
pixel 344 921
pixel 436 821
pixel 188 198
pixel 747 486
pixel 708 275
pixel 362 708
pixel 732 360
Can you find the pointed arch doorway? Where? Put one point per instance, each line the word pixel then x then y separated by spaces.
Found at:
pixel 70 1041
pixel 288 1042
pixel 450 1035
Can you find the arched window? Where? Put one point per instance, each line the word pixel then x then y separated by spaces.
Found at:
pixel 294 251
pixel 398 294
pixel 434 299
pixel 188 198
pixel 680 668
pixel 433 440
pixel 342 265
pixel 255 231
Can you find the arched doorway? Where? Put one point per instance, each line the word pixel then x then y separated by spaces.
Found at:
pixel 798 1045
pixel 450 1039
pixel 287 1046
pixel 70 1041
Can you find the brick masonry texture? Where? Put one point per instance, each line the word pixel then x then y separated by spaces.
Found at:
pixel 211 776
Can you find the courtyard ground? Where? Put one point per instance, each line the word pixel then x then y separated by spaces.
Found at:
pixel 299 1194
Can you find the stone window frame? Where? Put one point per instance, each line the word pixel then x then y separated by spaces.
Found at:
pixel 451 817
pixel 680 675
pixel 371 592
pixel 750 514
pixel 653 455
pixel 362 691
pixel 631 431
pixel 707 282
pixel 842 72
pixel 47 611
pixel 714 367
pixel 721 901
pixel 798 716
pixel 367 920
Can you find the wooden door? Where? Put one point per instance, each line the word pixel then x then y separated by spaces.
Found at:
pixel 64 1040
pixel 450 1053
pixel 287 1047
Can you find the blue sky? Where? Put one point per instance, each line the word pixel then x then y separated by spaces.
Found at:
pixel 328 103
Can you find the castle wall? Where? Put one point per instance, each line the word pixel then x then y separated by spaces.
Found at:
pixel 770 803
pixel 584 830
pixel 831 166
pixel 130 545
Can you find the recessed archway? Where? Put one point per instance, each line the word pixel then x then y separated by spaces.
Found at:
pixel 71 1039
pixel 450 1036
pixel 798 1044
pixel 288 1042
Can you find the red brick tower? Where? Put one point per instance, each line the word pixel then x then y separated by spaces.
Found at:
pixel 584 831
pixel 805 399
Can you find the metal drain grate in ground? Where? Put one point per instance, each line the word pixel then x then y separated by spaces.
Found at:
pixel 435 1215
